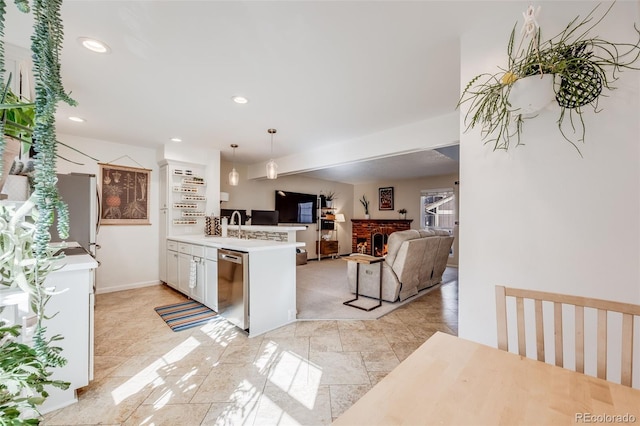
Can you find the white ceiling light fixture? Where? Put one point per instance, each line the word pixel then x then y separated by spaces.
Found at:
pixel 77 119
pixel 234 176
pixel 176 140
pixel 272 167
pixel 240 99
pixel 94 45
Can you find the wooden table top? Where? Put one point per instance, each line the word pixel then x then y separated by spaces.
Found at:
pixel 362 258
pixel 452 381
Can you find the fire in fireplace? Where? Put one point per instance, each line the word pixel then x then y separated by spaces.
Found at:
pixel 362 246
pixel 379 243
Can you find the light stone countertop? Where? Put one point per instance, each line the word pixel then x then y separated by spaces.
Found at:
pixel 235 243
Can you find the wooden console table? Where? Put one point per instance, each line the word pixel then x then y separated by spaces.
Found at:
pixel 452 381
pixel 359 259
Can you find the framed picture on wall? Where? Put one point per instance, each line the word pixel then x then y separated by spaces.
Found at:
pixel 124 193
pixel 385 198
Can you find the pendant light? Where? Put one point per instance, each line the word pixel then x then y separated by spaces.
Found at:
pixel 272 167
pixel 234 176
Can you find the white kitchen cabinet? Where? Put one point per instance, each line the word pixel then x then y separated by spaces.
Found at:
pixel 186 256
pixel 162 247
pixel 172 264
pixel 211 276
pixel 71 315
pixel 184 268
pixel 197 292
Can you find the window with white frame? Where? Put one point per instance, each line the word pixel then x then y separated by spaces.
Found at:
pixel 437 209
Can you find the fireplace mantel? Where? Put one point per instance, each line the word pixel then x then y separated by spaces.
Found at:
pixel 362 230
pixel 383 220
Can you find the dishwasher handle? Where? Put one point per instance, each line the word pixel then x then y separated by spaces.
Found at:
pixel 230 257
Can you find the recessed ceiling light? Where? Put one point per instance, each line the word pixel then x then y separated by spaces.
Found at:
pixel 240 99
pixel 94 45
pixel 176 140
pixel 77 119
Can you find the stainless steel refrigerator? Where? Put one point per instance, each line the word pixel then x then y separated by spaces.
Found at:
pixel 80 192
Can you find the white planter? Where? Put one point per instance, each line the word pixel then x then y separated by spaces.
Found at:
pixel 531 94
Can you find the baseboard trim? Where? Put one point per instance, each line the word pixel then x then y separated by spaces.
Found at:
pixel 130 286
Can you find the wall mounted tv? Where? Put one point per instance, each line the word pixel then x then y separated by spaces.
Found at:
pixel 295 207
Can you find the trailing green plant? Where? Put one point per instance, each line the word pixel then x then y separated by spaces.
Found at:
pixel 582 65
pixel 24 373
pixel 26 257
pixel 365 204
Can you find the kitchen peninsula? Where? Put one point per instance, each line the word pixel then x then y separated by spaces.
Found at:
pixel 271 275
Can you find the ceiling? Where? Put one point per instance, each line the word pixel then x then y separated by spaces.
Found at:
pixel 320 72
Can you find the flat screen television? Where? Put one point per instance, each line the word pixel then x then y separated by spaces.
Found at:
pixel 264 217
pixel 295 207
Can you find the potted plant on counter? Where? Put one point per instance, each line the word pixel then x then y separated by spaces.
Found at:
pixel 571 68
pixel 403 213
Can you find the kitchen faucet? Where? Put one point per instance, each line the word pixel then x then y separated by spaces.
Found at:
pixel 233 215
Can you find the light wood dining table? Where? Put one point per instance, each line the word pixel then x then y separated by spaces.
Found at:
pixel 453 381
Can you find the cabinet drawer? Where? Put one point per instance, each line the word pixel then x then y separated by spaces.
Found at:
pixel 184 248
pixel 211 253
pixel 197 251
pixel 172 245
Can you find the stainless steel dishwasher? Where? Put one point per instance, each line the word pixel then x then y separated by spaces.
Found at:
pixel 233 287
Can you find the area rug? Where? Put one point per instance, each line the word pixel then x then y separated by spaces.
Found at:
pixel 321 287
pixel 184 315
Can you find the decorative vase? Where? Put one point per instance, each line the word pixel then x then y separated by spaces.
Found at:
pixel 366 216
pixel 530 94
pixel 329 203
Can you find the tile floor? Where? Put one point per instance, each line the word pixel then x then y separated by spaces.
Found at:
pixel 305 373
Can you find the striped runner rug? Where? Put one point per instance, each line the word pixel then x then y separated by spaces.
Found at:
pixel 184 315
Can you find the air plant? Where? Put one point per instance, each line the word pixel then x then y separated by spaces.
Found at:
pixel 582 65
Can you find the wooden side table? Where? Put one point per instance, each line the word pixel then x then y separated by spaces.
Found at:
pixel 360 259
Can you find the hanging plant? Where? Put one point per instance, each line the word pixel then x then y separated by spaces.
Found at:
pixel 26 257
pixel 579 68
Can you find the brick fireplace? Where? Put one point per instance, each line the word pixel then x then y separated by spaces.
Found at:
pixel 370 235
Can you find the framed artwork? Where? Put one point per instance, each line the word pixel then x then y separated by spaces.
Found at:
pixel 385 198
pixel 124 194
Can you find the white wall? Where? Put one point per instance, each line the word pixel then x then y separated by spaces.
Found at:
pixel 129 254
pixel 260 195
pixel 540 216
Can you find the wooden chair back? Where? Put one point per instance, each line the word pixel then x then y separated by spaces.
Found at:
pixel 629 313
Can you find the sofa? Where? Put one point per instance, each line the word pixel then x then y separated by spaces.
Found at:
pixel 415 260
